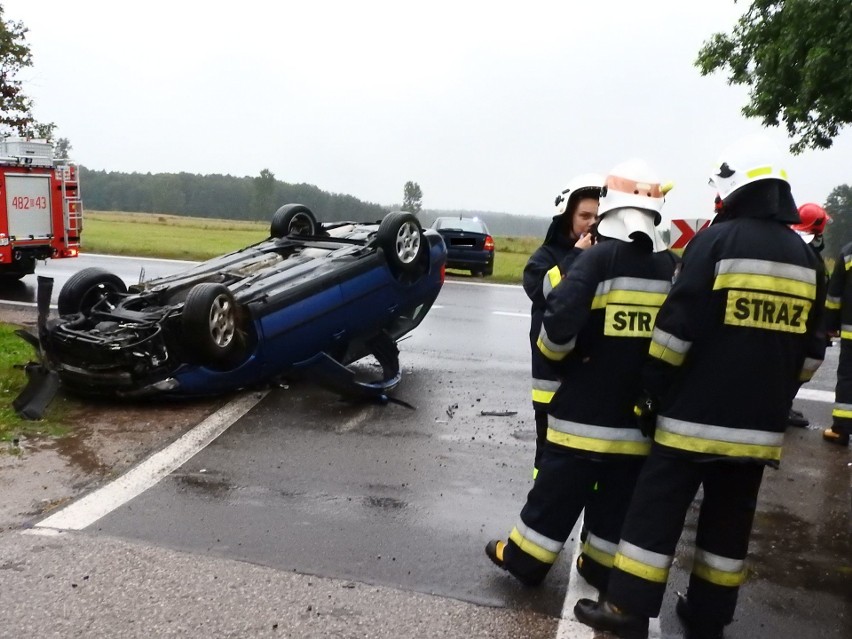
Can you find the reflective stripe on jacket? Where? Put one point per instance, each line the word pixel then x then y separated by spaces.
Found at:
pixel 541 275
pixel 740 330
pixel 596 330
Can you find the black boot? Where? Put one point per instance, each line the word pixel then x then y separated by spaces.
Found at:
pixel 797 419
pixel 831 435
pixel 604 616
pixel 695 628
pixel 494 550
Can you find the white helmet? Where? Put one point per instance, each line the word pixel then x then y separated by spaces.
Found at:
pixel 631 202
pixel 748 160
pixel 589 183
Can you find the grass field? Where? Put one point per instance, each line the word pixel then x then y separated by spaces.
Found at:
pixel 14 353
pixel 193 238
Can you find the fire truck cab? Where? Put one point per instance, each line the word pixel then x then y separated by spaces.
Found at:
pixel 41 214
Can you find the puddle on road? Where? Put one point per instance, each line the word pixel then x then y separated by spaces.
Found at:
pixel 384 503
pixel 207 483
pixel 75 450
pixel 797 553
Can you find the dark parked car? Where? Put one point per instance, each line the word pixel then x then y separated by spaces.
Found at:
pixel 307 301
pixel 469 245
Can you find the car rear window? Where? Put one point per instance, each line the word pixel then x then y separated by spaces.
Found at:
pixel 460 224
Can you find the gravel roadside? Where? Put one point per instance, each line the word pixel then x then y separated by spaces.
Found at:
pixel 42 474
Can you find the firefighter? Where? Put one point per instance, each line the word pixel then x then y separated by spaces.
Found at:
pixel 569 234
pixel 740 328
pixel 811 228
pixel 838 307
pixel 596 330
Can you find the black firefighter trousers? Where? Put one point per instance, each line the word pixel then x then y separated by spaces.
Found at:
pixel 842 413
pixel 568 482
pixel 654 522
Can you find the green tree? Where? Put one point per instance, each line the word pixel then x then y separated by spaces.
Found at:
pixel 15 107
pixel 63 147
pixel 839 232
pixel 796 58
pixel 412 198
pixel 263 197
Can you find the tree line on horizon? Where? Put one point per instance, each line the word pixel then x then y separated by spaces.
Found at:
pixel 256 198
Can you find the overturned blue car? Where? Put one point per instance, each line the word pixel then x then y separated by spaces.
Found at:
pixel 307 301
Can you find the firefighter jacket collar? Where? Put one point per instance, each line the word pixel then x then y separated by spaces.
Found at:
pixel 554 235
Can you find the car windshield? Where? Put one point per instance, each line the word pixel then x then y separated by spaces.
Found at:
pixel 459 224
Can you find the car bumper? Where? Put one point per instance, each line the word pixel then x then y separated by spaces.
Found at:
pixel 470 259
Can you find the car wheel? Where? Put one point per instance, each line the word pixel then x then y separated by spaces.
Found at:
pixel 400 237
pixel 209 323
pixel 293 219
pixel 86 288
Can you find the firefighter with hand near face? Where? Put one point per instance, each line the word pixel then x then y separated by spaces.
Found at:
pixel 596 331
pixel 741 327
pixel 568 236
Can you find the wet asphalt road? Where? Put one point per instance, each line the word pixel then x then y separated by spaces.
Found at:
pixel 404 499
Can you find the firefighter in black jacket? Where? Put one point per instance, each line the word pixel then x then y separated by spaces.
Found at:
pixel 740 328
pixel 813 220
pixel 569 234
pixel 838 307
pixel 596 330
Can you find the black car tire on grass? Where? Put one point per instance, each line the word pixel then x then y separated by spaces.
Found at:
pixel 293 219
pixel 86 288
pixel 209 323
pixel 401 239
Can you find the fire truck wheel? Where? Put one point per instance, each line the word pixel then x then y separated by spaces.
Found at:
pixel 86 288
pixel 211 326
pixel 293 219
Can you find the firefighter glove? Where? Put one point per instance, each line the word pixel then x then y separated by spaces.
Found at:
pixel 645 411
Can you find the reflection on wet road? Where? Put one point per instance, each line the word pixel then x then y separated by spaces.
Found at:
pixel 408 498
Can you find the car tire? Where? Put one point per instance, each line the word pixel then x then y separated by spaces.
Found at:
pixel 400 237
pixel 210 323
pixel 86 288
pixel 293 219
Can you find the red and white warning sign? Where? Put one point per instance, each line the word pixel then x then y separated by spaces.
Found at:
pixel 684 230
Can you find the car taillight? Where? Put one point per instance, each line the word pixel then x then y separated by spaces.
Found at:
pixel 489 243
pixel 443 272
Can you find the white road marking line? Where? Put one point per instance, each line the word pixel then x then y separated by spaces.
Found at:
pixel 28 304
pixel 569 627
pixel 509 314
pixel 138 259
pixel 449 281
pixel 104 500
pixel 815 395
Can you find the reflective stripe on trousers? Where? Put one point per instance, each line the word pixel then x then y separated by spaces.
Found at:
pixel 718 440
pixel 544 389
pixel 600 439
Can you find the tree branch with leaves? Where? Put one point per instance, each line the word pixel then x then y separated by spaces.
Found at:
pixel 796 58
pixel 15 106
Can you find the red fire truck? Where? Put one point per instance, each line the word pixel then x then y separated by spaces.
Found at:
pixel 41 214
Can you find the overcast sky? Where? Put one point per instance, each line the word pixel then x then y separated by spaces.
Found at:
pixel 488 105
